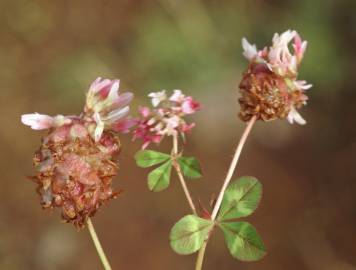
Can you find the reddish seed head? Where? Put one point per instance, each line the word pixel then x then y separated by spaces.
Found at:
pixel 77 160
pixel 75 173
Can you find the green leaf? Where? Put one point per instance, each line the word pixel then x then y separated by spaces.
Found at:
pixel 241 198
pixel 148 158
pixel 159 178
pixel 190 167
pixel 189 233
pixel 243 241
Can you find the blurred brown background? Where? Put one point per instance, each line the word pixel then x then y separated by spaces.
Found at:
pixel 51 50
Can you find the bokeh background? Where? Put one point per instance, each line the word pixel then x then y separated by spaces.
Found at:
pixel 50 51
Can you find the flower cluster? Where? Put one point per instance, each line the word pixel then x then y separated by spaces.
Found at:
pixel 77 160
pixel 166 118
pixel 270 88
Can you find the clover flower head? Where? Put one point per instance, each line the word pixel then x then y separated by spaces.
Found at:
pixel 270 88
pixel 77 160
pixel 166 118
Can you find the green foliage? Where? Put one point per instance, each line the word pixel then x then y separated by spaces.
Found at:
pixel 189 233
pixel 148 158
pixel 243 241
pixel 241 198
pixel 190 167
pixel 159 178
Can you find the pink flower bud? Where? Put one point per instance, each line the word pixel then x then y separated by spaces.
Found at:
pixel 190 106
pixel 144 111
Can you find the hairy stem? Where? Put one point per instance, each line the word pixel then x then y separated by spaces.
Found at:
pixel 180 175
pixel 98 246
pixel 227 180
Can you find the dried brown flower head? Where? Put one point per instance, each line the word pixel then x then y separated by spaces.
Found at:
pixel 77 160
pixel 269 88
pixel 75 173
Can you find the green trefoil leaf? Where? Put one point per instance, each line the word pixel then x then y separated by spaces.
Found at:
pixel 190 167
pixel 189 233
pixel 148 158
pixel 159 178
pixel 241 198
pixel 243 241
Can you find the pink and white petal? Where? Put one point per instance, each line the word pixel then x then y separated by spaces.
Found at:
pixel 177 96
pixel 302 85
pixel 37 121
pixel 190 106
pixel 94 83
pixel 99 131
pixel 144 111
pixel 97 118
pixel 99 127
pixel 286 37
pixel 114 91
pixel 116 115
pixel 157 97
pixel 297 43
pixel 294 116
pixel 98 85
pixel 124 125
pixel 123 100
pixel 304 47
pixel 299 47
pixel 250 51
pixel 104 92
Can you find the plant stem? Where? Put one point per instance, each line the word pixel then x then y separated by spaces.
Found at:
pixel 232 166
pixel 98 246
pixel 200 258
pixel 180 175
